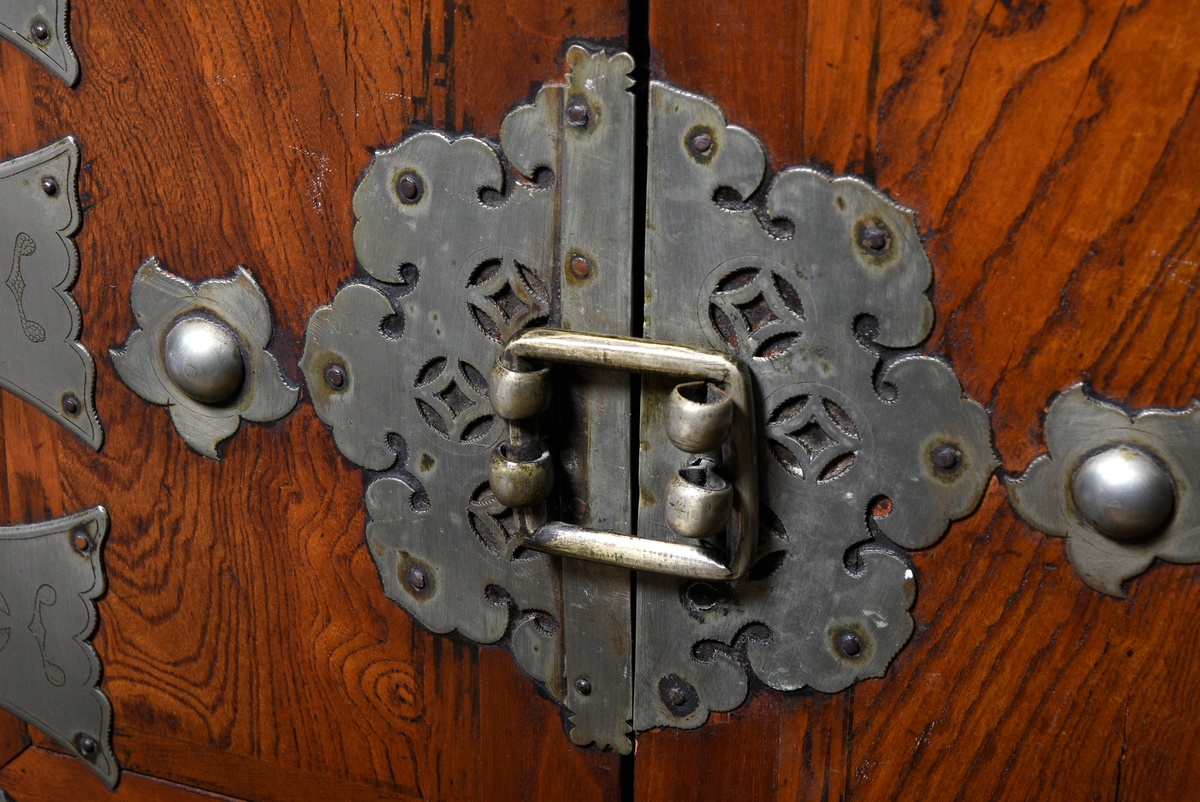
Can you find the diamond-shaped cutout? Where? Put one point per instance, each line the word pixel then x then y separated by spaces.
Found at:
pixel 508 302
pixel 757 312
pixel 813 439
pixel 455 399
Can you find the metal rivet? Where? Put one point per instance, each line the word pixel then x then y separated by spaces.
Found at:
pixel 678 694
pixel 875 238
pixel 409 188
pixel 580 266
pixel 416 577
pixel 50 186
pixel 85 745
pixel 583 686
pixel 702 142
pixel 1123 493
pixel 578 112
pixel 70 404
pixel 946 458
pixel 848 643
pixel 204 360
pixel 335 377
pixel 81 540
pixel 40 31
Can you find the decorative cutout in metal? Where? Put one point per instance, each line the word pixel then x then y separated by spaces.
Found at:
pixel 814 290
pixel 201 351
pixel 1118 485
pixel 41 358
pixel 51 574
pixel 40 29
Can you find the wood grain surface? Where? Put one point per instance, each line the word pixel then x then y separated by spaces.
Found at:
pixel 247 645
pixel 1050 150
pixel 1051 153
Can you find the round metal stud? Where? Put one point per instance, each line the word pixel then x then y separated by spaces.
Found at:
pixel 698 501
pixel 70 404
pixel 946 458
pixel 409 187
pixel 875 238
pixel 848 643
pixel 416 577
pixel 335 377
pixel 583 686
pixel 204 360
pixel 699 415
pixel 85 745
pixel 580 266
pixel 1123 493
pixel 40 31
pixel 50 185
pixel 702 142
pixel 81 541
pixel 578 112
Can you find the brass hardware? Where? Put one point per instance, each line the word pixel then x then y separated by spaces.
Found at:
pixel 692 424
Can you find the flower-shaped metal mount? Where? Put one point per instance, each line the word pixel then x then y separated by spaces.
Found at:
pixel 1050 494
pixel 41 358
pixel 51 574
pixel 234 307
pixel 40 29
pixel 817 289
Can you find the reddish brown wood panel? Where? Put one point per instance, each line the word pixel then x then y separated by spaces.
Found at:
pixel 247 644
pixel 43 776
pixel 1051 152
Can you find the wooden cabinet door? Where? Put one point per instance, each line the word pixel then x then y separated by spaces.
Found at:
pixel 1049 150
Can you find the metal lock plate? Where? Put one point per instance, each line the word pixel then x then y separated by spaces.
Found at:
pixel 851 447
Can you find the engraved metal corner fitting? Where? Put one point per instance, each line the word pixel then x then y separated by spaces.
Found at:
pixel 201 350
pixel 1119 485
pixel 481 375
pixel 41 358
pixel 40 29
pixel 51 574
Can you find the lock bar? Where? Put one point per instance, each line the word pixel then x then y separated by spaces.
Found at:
pixel 634 355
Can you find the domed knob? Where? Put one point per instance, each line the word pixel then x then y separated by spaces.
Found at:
pixel 1123 493
pixel 204 359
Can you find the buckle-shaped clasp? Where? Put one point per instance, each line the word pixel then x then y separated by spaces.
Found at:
pixel 710 419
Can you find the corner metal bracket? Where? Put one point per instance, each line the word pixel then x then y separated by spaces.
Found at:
pixel 41 358
pixel 40 29
pixel 51 574
pixel 812 287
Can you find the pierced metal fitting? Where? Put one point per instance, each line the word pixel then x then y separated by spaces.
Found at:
pixel 699 501
pixel 699 417
pixel 518 482
pixel 518 394
pixel 201 351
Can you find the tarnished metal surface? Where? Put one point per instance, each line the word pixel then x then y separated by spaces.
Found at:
pixel 807 297
pixel 205 403
pixel 39 27
pixel 1115 526
pixel 41 358
pixel 51 574
pixel 809 289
